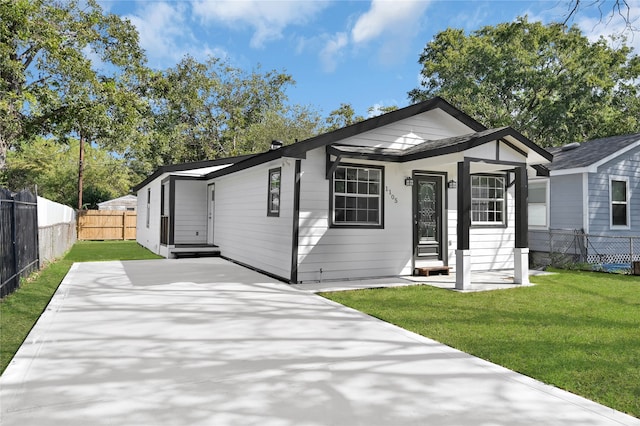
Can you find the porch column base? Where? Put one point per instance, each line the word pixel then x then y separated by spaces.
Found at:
pixel 463 269
pixel 521 266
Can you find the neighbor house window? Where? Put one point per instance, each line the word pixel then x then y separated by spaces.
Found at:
pixel 357 199
pixel 487 200
pixel 273 203
pixel 538 204
pixel 148 205
pixel 619 202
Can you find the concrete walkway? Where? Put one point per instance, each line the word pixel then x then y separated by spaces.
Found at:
pixel 207 342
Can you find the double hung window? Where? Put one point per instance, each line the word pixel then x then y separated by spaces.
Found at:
pixel 357 196
pixel 487 200
pixel 619 202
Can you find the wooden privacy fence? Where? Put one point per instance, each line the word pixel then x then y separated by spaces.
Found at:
pixel 18 238
pixel 107 225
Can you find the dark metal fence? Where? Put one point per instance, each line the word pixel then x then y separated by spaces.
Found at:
pixel 18 238
pixel 564 248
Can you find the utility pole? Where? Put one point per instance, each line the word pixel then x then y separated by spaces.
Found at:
pixel 80 171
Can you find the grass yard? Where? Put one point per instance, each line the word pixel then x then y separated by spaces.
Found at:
pixel 20 311
pixel 579 331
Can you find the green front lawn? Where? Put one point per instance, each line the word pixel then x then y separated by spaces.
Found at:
pixel 20 310
pixel 579 331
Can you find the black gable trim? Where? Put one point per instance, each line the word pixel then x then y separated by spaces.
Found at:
pixel 299 149
pixel 189 166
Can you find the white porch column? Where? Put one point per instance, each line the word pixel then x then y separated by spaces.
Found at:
pixel 520 266
pixel 463 269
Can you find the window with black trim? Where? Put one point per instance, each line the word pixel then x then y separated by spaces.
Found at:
pixel 487 200
pixel 357 196
pixel 273 201
pixel 619 203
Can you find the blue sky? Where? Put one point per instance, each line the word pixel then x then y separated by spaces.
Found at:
pixel 362 52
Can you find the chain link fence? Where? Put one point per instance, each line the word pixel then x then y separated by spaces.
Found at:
pixel 574 248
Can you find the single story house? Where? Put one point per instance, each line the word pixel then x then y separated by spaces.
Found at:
pixel 125 203
pixel 592 192
pixel 424 186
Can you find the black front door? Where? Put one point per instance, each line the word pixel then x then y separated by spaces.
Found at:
pixel 428 217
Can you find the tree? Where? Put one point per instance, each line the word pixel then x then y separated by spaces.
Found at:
pixel 609 8
pixel 548 81
pixel 59 62
pixel 343 116
pixel 53 166
pixel 210 109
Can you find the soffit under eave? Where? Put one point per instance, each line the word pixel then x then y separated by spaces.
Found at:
pixel 533 156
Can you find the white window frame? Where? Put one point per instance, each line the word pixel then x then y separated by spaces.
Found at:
pixel 379 196
pixel 624 179
pixel 546 203
pixel 489 223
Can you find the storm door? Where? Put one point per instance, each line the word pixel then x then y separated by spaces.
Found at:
pixel 428 217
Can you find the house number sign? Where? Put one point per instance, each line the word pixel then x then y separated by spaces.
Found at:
pixel 393 197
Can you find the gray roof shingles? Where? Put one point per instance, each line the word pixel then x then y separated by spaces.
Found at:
pixel 589 152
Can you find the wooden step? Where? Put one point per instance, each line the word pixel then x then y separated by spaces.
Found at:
pixel 432 270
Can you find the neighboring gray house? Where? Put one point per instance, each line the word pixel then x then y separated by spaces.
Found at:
pixel 593 188
pixel 125 203
pixel 421 187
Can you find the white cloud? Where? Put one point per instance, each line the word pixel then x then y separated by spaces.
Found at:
pixel 332 50
pixel 160 26
pixel 615 24
pixel 399 19
pixel 267 18
pixel 392 23
pixel 165 34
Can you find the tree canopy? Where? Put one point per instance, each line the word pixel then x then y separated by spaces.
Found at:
pixel 547 81
pixel 210 109
pixel 62 70
pixel 53 167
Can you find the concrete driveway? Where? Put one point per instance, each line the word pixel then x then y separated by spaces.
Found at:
pixel 207 342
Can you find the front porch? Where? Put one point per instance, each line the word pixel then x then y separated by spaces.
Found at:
pixel 480 281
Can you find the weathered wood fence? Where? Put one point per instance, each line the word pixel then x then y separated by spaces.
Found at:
pixel 18 238
pixel 107 225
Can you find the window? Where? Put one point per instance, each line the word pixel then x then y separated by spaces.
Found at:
pixel 619 203
pixel 356 198
pixel 273 202
pixel 538 204
pixel 148 205
pixel 487 200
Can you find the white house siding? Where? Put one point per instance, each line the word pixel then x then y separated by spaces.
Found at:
pixel 242 229
pixel 492 247
pixel 599 197
pixel 190 220
pixel 566 207
pixel 149 237
pixel 344 253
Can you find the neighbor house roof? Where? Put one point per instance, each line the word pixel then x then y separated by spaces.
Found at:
pixel 591 154
pixel 119 200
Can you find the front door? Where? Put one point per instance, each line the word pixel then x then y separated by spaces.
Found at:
pixel 210 212
pixel 427 219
